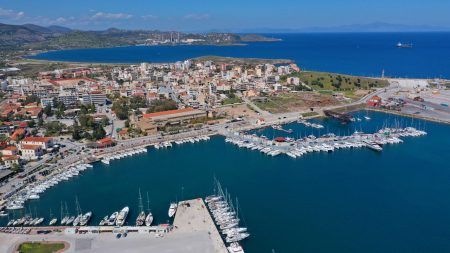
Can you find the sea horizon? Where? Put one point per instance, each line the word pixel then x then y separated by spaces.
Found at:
pixel 362 54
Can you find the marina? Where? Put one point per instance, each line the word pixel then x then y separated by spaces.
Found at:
pixel 327 143
pixel 352 181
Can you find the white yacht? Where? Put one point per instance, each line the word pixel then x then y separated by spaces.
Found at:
pixel 112 219
pixel 121 218
pixel 235 248
pixel 85 218
pixel 172 209
pixel 149 220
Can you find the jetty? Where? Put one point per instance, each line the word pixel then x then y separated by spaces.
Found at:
pixel 192 217
pixel 343 117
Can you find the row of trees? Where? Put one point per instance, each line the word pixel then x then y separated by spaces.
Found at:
pixel 123 106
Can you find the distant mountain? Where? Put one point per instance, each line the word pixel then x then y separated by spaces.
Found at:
pixel 17 35
pixel 59 29
pixel 372 27
pixel 16 38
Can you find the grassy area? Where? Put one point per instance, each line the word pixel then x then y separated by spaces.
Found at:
pixel 337 82
pixel 309 114
pixel 230 101
pixel 31 247
pixel 289 102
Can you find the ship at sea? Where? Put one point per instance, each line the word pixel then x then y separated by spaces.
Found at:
pixel 404 45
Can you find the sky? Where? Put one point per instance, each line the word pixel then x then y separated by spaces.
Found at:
pixel 235 15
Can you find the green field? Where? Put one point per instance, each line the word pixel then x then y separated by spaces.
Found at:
pixel 230 101
pixel 35 247
pixel 337 82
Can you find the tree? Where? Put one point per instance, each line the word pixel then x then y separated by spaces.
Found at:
pixel 162 105
pixel 86 121
pixel 31 99
pixel 40 122
pixel 98 132
pixel 16 168
pixel 54 128
pixel 76 134
pixel 120 107
pixel 48 110
pixel 137 102
pixel 31 123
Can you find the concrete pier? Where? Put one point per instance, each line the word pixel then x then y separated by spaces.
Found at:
pixel 193 231
pixel 193 217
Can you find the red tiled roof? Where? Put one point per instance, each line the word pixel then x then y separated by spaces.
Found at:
pixel 37 139
pixel 33 147
pixel 10 148
pixel 105 140
pixel 170 112
pixel 10 157
pixel 17 133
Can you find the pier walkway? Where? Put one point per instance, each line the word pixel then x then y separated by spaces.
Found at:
pixel 193 217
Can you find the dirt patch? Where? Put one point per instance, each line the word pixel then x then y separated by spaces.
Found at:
pixel 290 102
pixel 234 111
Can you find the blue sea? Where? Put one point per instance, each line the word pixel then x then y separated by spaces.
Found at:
pixel 348 201
pixel 366 54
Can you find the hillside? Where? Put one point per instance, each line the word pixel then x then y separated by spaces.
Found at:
pixel 14 38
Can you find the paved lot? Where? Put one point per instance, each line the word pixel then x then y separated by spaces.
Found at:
pixel 194 242
pixel 193 217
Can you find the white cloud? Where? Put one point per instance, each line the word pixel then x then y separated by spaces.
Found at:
pixel 194 16
pixel 11 14
pixel 110 16
pixel 149 17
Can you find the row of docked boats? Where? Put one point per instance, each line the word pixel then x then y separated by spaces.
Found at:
pixel 25 221
pixel 117 218
pixel 226 217
pixel 169 144
pixel 309 124
pixel 326 143
pixel 33 190
pixel 121 155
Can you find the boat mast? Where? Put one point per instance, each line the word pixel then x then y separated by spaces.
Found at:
pixel 62 211
pixel 141 207
pixel 67 209
pixel 148 203
pixel 78 206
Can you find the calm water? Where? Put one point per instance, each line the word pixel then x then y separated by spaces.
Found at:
pixel 352 53
pixel 347 201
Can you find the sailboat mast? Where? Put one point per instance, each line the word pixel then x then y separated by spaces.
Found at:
pixel 62 211
pixel 148 203
pixel 141 207
pixel 67 209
